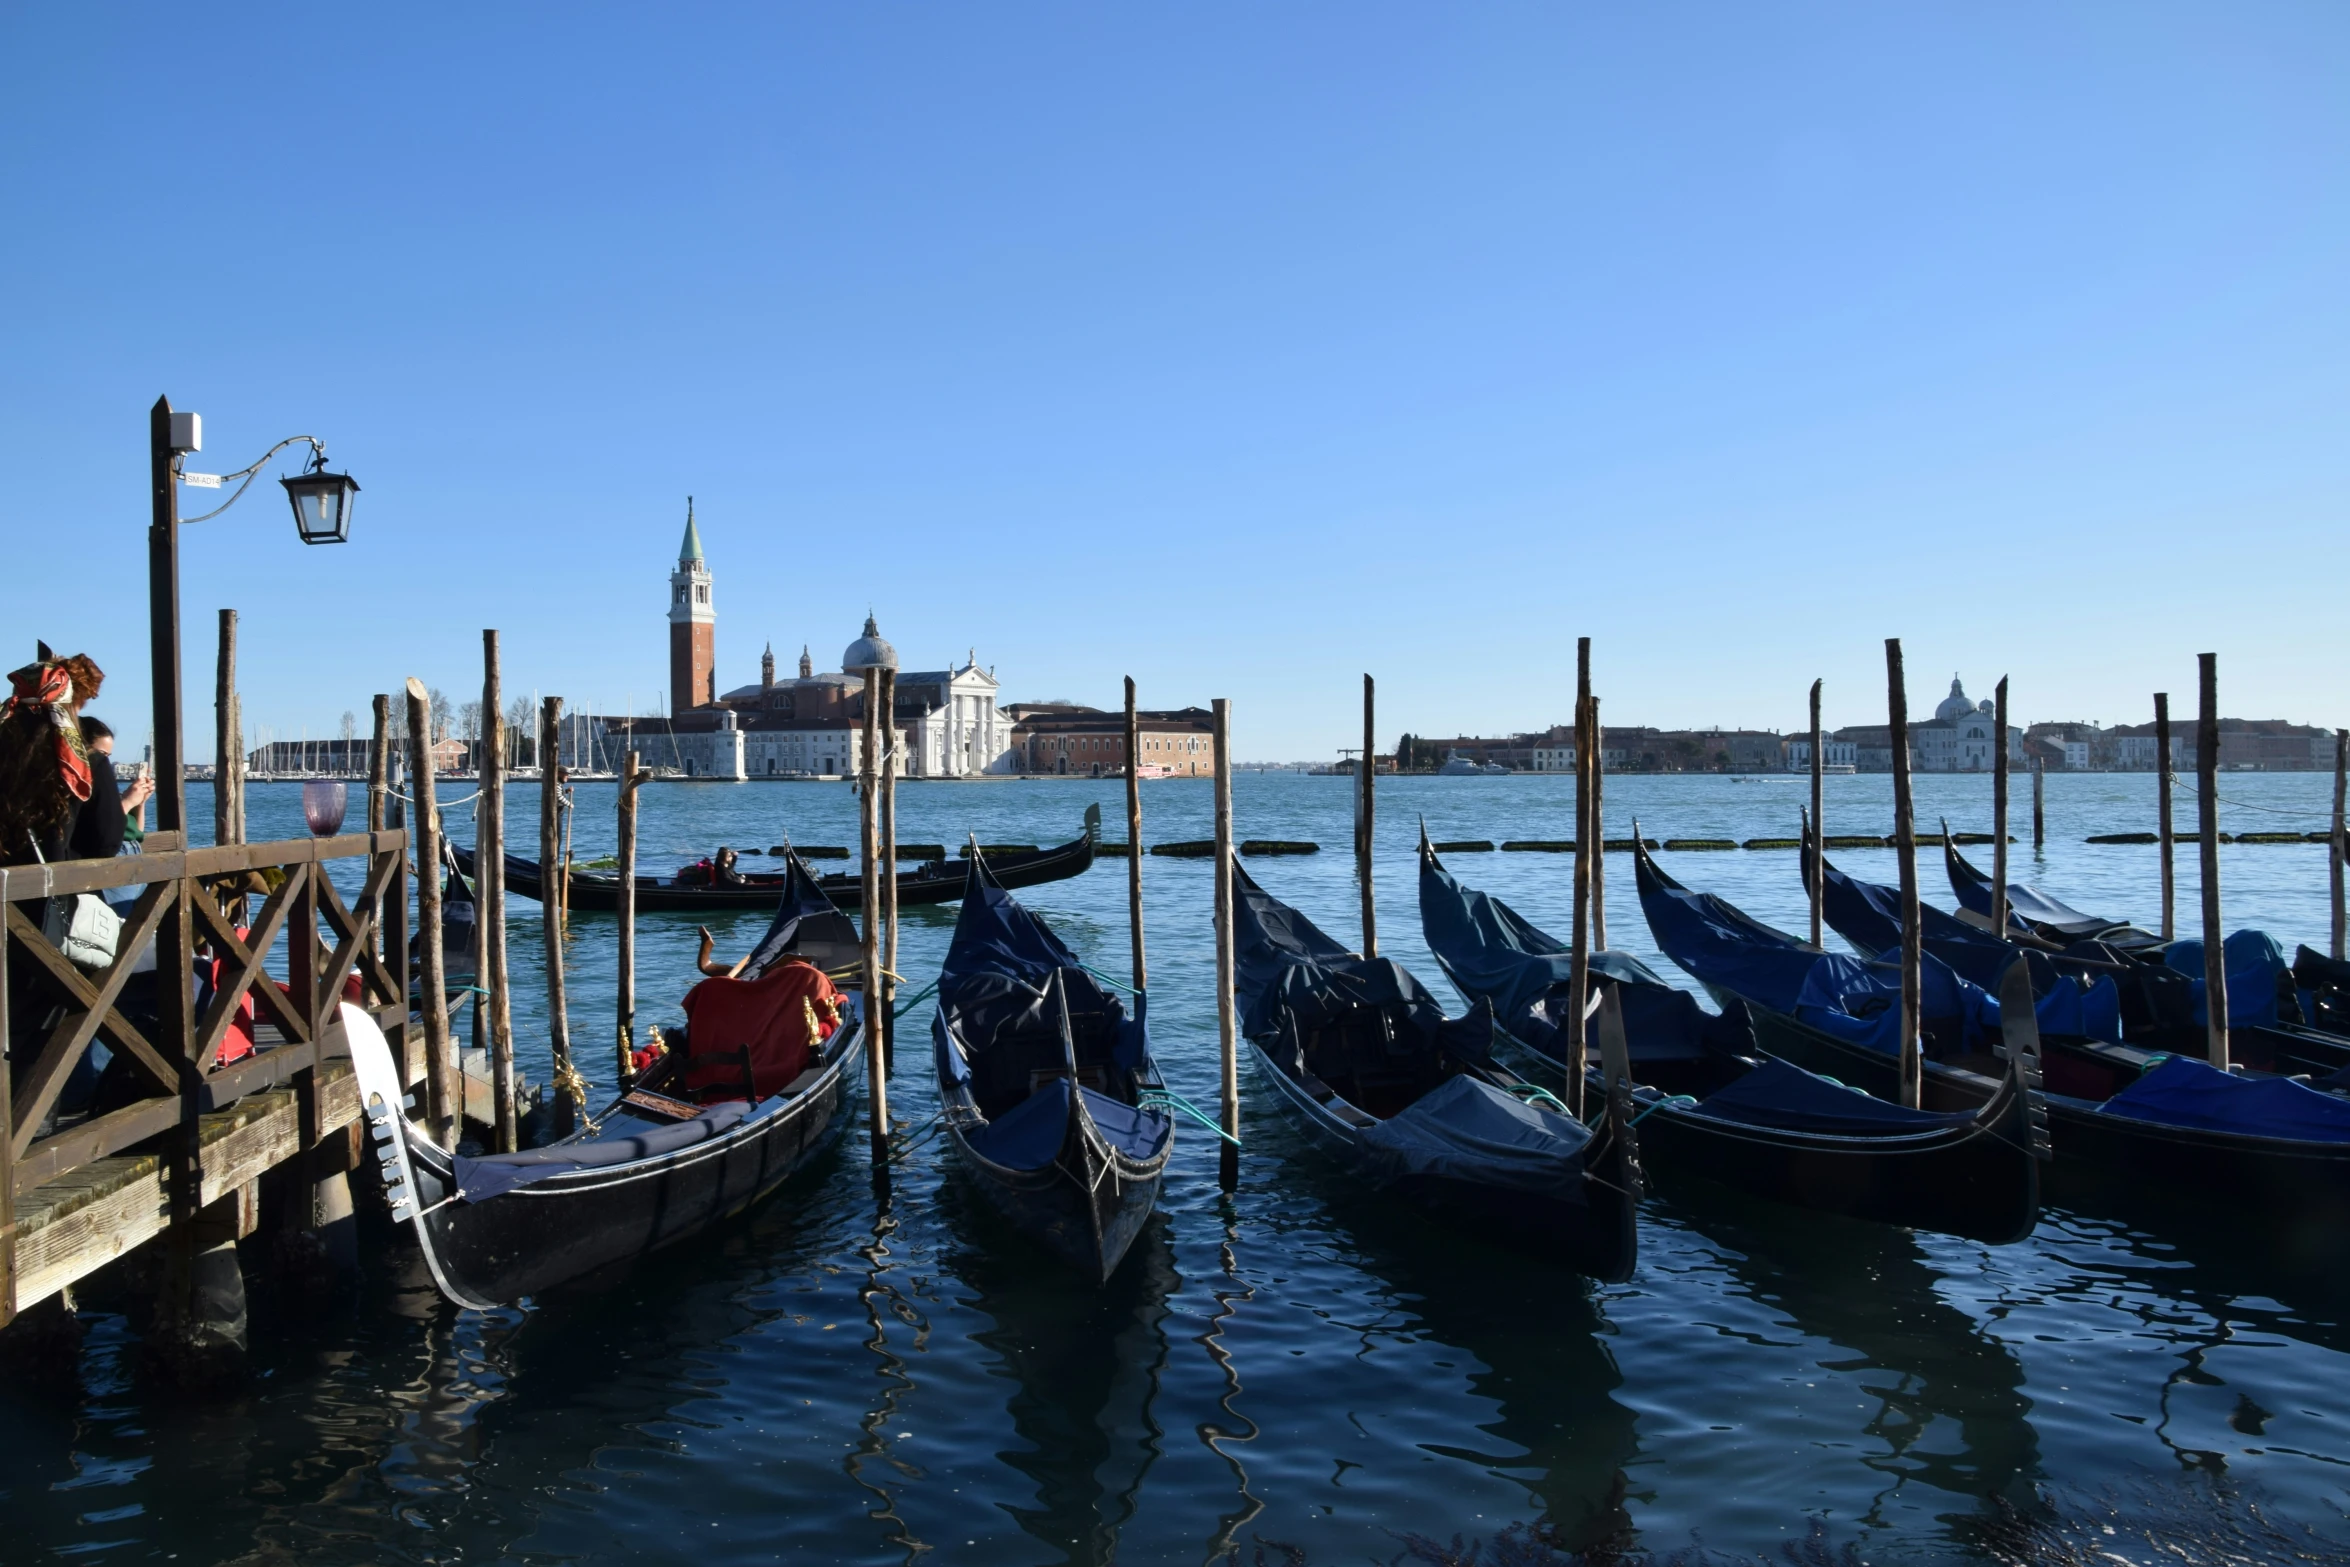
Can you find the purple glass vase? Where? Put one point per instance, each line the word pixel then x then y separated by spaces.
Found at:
pixel 323 803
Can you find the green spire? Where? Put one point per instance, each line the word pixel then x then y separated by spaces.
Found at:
pixel 691 549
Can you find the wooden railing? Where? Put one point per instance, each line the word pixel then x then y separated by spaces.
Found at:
pixel 176 1058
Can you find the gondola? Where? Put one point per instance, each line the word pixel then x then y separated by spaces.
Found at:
pixel 936 881
pixel 749 1091
pixel 2034 913
pixel 1046 1085
pixel 2270 1006
pixel 2266 1148
pixel 1712 1103
pixel 1413 1104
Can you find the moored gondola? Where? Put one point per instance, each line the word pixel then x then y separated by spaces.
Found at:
pixel 1046 1085
pixel 1712 1103
pixel 935 881
pixel 1414 1105
pixel 2266 1150
pixel 2270 1006
pixel 752 1088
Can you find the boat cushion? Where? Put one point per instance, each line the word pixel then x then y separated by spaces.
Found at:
pixel 1029 1135
pixel 781 1017
pixel 1782 1095
pixel 1469 1131
pixel 478 1180
pixel 2182 1091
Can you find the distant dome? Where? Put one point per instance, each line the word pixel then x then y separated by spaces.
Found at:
pixel 1955 705
pixel 868 652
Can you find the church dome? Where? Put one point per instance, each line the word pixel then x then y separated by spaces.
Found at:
pixel 1955 705
pixel 868 652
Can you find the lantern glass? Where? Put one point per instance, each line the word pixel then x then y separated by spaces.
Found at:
pixel 322 505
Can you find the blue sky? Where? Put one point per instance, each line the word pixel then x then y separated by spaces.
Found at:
pixel 1242 349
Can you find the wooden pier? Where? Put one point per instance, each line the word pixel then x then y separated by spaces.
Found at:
pixel 183 1163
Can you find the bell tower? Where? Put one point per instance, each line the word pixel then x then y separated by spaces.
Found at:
pixel 693 625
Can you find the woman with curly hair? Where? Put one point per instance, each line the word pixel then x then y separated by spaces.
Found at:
pixel 45 775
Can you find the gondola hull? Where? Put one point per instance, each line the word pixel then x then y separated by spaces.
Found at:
pixel 1597 1234
pixel 590 1222
pixel 2300 1184
pixel 1981 1183
pixel 937 882
pixel 1086 1208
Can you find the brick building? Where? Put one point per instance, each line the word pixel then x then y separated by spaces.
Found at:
pixel 1069 739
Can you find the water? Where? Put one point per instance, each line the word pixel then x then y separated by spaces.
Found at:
pixel 1290 1370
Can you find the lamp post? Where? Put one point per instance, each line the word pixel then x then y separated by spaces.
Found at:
pixel 322 514
pixel 322 504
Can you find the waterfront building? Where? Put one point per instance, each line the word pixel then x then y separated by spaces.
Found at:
pixel 946 721
pixel 1070 739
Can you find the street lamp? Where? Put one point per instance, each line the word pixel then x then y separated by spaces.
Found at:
pixel 321 500
pixel 322 515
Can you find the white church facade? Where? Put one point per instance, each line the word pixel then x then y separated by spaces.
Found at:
pixel 945 723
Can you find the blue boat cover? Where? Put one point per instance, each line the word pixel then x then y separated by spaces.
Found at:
pixel 1493 954
pixel 1848 997
pixel 2253 960
pixel 1783 1095
pixel 1467 1130
pixel 998 971
pixel 804 904
pixel 1868 915
pixel 2028 906
pixel 478 1180
pixel 1029 1135
pixel 2183 1091
pixel 1287 972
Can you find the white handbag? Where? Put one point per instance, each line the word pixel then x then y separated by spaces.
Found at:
pixel 85 928
pixel 81 925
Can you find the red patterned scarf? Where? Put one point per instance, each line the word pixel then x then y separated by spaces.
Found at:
pixel 50 685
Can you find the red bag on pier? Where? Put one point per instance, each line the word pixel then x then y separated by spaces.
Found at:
pixel 780 1018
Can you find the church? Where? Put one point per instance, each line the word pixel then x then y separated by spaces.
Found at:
pixel 945 722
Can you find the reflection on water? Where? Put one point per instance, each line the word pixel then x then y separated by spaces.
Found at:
pixel 1948 1410
pixel 861 1377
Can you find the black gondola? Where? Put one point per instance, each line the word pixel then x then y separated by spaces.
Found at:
pixel 756 1085
pixel 1045 1083
pixel 1363 1059
pixel 2270 1006
pixel 2266 1149
pixel 935 881
pixel 1712 1103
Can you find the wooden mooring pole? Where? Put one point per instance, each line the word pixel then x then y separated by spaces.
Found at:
pixel 2162 819
pixel 1367 784
pixel 1227 1020
pixel 228 766
pixel 2039 805
pixel 1814 849
pixel 1598 830
pixel 889 869
pixel 1905 843
pixel 570 1088
pixel 2215 963
pixel 632 778
pixel 1999 810
pixel 1579 962
pixel 1134 835
pixel 2338 843
pixel 869 852
pixel 489 906
pixel 379 781
pixel 444 1096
